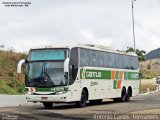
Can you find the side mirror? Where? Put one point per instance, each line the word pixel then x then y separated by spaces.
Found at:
pixel 66 65
pixel 19 65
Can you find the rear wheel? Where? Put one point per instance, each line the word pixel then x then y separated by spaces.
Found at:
pixel 48 104
pixel 128 95
pixel 123 95
pixel 83 100
pixel 122 98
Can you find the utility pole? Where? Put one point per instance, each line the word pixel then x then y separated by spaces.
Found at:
pixel 133 24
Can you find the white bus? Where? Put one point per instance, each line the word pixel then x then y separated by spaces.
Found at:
pixel 79 74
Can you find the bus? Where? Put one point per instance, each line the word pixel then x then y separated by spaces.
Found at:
pixel 79 74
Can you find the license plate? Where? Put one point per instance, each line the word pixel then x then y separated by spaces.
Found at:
pixel 44 98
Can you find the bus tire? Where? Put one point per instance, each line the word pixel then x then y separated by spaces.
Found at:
pixel 128 95
pixel 83 101
pixel 96 101
pixel 123 95
pixel 48 104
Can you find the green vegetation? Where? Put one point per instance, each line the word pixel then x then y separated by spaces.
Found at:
pixel 10 81
pixel 140 53
pixel 148 67
pixel 149 74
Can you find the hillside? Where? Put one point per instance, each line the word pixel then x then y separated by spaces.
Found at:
pixel 150 68
pixel 10 81
pixel 153 54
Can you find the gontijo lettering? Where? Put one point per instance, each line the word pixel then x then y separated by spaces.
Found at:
pixel 93 74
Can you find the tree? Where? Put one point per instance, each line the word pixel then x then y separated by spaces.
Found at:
pixel 130 49
pixel 140 53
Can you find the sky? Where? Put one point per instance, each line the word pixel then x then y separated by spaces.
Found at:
pixel 62 22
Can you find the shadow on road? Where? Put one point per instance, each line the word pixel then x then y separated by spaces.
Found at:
pixel 73 105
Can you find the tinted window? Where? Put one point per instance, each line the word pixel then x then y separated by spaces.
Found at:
pixel 102 59
pixel 126 64
pixel 119 61
pixel 134 62
pixel 111 60
pixel 74 57
pixel 84 57
pixel 107 59
pixel 73 68
pixel 47 54
pixel 94 58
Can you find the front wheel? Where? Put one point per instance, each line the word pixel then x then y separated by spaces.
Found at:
pixel 83 100
pixel 48 104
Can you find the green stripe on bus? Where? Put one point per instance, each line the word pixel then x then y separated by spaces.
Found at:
pixel 117 75
pixel 131 75
pixel 106 74
pixel 95 74
pixel 115 84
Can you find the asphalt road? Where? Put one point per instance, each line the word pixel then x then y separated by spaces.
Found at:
pixel 140 107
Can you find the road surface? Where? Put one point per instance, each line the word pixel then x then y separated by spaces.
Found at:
pixel 142 106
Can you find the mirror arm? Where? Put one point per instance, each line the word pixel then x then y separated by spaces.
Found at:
pixel 19 66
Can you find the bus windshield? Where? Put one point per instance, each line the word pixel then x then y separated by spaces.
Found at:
pixel 45 74
pixel 45 68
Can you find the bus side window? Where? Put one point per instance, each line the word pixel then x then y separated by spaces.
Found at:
pixel 125 62
pixel 119 61
pixel 73 67
pixel 93 58
pixel 111 60
pixel 84 57
pixel 102 59
pixel 72 75
pixel 133 62
pixel 136 63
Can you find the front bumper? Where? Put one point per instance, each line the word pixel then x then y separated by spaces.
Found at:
pixel 47 98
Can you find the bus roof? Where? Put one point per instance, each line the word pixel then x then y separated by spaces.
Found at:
pixel 87 46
